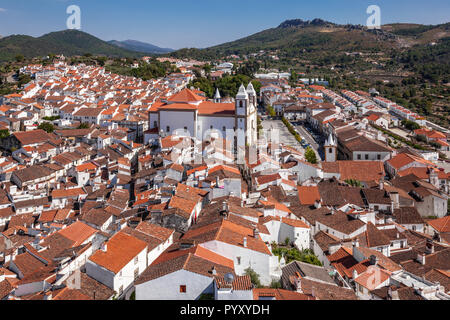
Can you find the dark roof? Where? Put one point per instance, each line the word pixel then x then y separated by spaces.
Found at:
pixel 407 215
pixel 305 270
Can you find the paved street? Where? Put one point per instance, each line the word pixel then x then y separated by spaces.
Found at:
pixel 285 136
pixel 308 137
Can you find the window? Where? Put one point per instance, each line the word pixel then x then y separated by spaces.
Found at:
pixel 183 289
pixel 378 156
pixel 367 157
pixel 361 289
pixel 238 260
pixel 155 124
pixel 330 150
pixel 224 129
pixel 359 157
pixel 241 104
pixel 120 290
pixel 414 228
pixel 210 127
pixel 185 128
pixel 167 128
pixel 136 273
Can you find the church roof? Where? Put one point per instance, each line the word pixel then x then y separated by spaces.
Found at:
pixel 186 95
pixel 242 93
pixel 217 95
pixel 331 141
pixel 250 89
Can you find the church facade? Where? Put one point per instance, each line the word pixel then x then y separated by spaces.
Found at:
pixel 189 114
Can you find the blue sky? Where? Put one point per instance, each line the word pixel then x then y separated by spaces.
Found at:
pixel 201 23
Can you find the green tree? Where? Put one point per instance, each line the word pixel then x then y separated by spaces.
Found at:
pixel 19 57
pixel 254 277
pixel 310 155
pixel 47 126
pixel 4 133
pixel 83 126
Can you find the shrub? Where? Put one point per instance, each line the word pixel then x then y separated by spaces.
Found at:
pixel 254 277
pixel 310 155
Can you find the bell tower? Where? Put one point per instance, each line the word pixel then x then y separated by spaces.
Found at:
pixel 330 147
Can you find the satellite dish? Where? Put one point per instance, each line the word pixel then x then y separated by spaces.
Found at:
pixel 229 277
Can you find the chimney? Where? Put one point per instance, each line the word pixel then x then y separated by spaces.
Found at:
pixel 429 249
pixel 355 243
pixel 317 204
pixel 354 274
pixel 421 258
pixel 396 198
pixel 381 184
pixel 213 271
pixel 298 284
pixel 392 206
pixel 104 247
pixel 245 242
pixel 373 260
pixel 255 233
pixel 433 177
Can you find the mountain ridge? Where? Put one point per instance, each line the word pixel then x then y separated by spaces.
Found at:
pixel 139 46
pixel 66 42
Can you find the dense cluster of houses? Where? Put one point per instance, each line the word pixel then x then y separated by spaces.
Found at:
pixel 160 197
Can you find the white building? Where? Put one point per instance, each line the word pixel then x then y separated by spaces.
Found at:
pixel 118 263
pixel 189 114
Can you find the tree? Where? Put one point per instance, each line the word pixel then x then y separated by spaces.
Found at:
pixel 47 126
pixel 310 155
pixel 4 133
pixel 207 68
pixel 83 126
pixel 410 125
pixel 253 276
pixel 20 58
pixel 275 284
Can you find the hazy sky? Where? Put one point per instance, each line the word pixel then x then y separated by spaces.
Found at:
pixel 201 23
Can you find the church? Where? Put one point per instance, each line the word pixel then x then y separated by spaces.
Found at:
pixel 189 114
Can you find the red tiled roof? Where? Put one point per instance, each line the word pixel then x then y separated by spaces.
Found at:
pixel 308 195
pixel 120 250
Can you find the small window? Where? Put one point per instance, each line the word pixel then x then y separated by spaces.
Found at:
pixel 185 128
pixel 359 157
pixel 238 260
pixel 367 157
pixel 210 127
pixel 183 289
pixel 120 290
pixel 155 124
pixel 378 156
pixel 167 128
pixel 330 150
pixel 224 129
pixel 136 273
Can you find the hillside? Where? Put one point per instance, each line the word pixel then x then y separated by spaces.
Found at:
pixel 67 42
pixel 134 45
pixel 295 38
